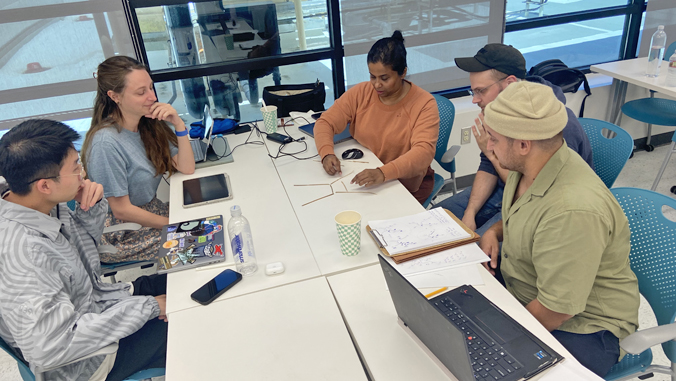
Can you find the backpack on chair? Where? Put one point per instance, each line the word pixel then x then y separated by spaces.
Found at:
pixel 568 79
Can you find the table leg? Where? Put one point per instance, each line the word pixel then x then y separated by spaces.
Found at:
pixel 618 93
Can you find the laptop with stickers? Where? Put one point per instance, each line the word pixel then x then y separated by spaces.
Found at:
pixel 191 244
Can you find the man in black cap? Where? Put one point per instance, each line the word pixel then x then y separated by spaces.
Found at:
pixel 491 70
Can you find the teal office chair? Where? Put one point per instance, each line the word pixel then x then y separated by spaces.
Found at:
pixel 653 260
pixel 444 156
pixel 610 154
pixel 111 269
pixel 653 110
pixel 28 375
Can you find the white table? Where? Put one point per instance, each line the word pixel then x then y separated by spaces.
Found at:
pixel 389 353
pixel 294 332
pixel 631 71
pixel 317 219
pixel 277 234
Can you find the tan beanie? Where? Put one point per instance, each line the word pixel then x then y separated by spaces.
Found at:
pixel 526 111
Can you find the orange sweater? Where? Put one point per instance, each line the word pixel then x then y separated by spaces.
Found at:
pixel 403 136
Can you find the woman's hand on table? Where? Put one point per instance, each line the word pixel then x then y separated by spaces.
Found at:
pixel 331 164
pixel 369 177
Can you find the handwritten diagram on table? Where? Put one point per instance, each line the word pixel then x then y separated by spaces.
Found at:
pixel 429 228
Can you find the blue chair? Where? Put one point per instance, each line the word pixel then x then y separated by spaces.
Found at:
pixel 444 156
pixel 610 153
pixel 653 260
pixel 28 375
pixel 653 110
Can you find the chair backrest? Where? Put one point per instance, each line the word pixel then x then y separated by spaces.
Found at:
pixel 24 370
pixel 653 251
pixel 446 116
pixel 610 154
pixel 669 51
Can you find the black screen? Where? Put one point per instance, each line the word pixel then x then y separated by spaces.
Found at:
pixel 216 286
pixel 205 189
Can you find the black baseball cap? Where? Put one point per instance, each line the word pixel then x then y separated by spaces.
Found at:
pixel 503 58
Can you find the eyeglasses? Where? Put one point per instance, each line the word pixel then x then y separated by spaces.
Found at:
pixel 81 175
pixel 481 91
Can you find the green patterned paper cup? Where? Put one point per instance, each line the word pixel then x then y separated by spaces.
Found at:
pixel 270 119
pixel 348 224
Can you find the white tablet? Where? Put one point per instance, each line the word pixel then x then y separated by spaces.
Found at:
pixel 205 190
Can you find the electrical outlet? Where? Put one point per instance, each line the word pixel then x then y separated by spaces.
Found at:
pixel 466 135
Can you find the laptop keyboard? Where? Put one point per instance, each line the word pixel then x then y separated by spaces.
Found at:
pixel 197 149
pixel 489 360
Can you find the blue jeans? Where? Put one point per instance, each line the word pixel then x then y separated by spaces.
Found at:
pixel 597 351
pixel 489 214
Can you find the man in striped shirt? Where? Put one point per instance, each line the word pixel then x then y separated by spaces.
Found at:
pixel 54 308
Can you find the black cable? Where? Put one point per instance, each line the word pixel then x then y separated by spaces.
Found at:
pixel 280 153
pixel 260 133
pixel 253 129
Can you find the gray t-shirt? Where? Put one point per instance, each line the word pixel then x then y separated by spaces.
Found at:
pixel 118 161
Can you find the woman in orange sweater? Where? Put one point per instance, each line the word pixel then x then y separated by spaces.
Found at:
pixel 397 120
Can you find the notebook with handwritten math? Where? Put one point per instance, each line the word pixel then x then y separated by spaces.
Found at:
pixel 421 234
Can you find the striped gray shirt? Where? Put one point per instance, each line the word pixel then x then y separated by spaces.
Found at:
pixel 53 305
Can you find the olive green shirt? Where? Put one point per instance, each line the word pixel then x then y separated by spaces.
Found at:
pixel 566 243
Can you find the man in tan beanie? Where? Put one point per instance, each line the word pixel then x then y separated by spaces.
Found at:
pixel 492 69
pixel 565 239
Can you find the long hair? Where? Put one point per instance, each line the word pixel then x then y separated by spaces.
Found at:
pixel 155 134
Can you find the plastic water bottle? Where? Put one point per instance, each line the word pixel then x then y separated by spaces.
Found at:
pixel 241 242
pixel 671 71
pixel 656 54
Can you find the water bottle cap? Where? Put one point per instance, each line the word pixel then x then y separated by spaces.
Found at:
pixel 660 27
pixel 235 211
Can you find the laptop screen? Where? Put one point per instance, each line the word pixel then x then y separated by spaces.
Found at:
pixel 208 123
pixel 441 338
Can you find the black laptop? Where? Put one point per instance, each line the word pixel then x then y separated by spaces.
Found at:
pixel 469 335
pixel 309 129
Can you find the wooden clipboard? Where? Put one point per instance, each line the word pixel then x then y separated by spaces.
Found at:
pixel 403 257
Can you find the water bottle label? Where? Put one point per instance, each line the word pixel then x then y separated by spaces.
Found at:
pixel 237 248
pixel 672 64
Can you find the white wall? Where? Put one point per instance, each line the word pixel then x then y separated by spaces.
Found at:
pixel 467 160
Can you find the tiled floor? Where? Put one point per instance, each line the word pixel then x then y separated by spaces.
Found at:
pixel 639 172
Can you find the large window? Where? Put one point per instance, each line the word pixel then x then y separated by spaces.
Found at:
pixel 580 33
pixel 223 53
pixel 48 52
pixel 435 32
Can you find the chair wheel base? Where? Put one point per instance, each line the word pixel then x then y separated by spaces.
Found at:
pixel 632 154
pixel 645 376
pixel 649 148
pixel 673 189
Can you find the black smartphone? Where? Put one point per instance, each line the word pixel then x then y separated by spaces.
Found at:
pixel 316 115
pixel 279 138
pixel 215 287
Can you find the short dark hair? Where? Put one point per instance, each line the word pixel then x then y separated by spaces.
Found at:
pixel 389 51
pixel 33 150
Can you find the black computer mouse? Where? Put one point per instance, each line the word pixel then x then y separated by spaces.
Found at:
pixel 352 154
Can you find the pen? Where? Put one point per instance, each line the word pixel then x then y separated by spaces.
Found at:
pixel 431 294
